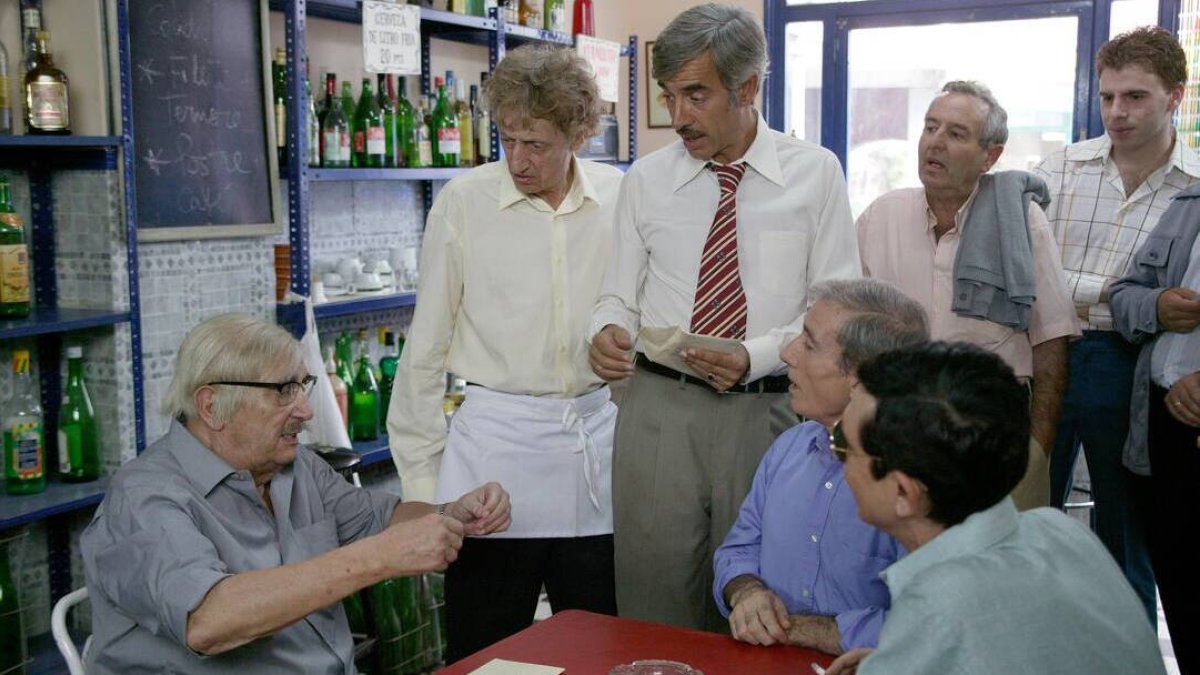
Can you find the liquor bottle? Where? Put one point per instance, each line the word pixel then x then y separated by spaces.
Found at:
pixel 78 437
pixel 345 364
pixel 458 6
pixel 31 19
pixel 477 7
pixel 364 397
pixel 279 89
pixel 24 444
pixel 531 14
pixel 312 124
pixel 370 142
pixel 348 104
pixel 335 129
pixel 387 369
pixel 555 16
pixel 585 21
pixel 14 258
pixel 482 126
pixel 405 140
pixel 447 147
pixel 422 137
pixel 462 108
pixel 6 120
pixel 12 635
pixel 48 109
pixel 387 110
pixel 339 388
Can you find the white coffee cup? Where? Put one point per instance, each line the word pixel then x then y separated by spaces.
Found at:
pixel 368 281
pixel 333 280
pixel 349 268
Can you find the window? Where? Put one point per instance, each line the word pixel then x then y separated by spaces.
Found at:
pixel 805 43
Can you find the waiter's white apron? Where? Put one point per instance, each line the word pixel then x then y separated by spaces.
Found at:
pixel 553 455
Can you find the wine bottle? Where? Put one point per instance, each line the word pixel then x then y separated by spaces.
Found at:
pixel 387 369
pixel 370 143
pixel 462 108
pixel 6 120
pixel 405 132
pixel 482 126
pixel 422 137
pixel 555 16
pixel 364 397
pixel 24 442
pixel 14 258
pixel 78 437
pixel 47 106
pixel 312 124
pixel 447 147
pixel 387 110
pixel 345 364
pixel 339 387
pixel 335 129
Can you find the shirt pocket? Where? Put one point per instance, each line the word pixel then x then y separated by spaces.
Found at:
pixel 1155 253
pixel 316 539
pixel 783 262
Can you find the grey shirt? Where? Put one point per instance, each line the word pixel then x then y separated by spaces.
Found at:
pixel 177 520
pixel 1009 593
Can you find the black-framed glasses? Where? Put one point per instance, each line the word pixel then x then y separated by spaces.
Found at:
pixel 286 391
pixel 837 442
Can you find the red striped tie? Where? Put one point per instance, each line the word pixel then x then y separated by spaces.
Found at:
pixel 720 307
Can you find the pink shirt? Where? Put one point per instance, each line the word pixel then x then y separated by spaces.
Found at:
pixel 897 244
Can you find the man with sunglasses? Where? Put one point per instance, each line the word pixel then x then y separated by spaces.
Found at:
pixel 227 547
pixel 799 567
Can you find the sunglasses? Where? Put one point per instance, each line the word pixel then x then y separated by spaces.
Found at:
pixel 837 441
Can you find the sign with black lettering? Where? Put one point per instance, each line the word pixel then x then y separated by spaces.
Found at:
pixel 391 38
pixel 205 164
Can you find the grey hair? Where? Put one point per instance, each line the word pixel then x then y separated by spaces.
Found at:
pixel 732 34
pixel 547 83
pixel 884 318
pixel 995 124
pixel 226 347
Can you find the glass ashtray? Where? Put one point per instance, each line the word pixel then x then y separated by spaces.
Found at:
pixel 655 667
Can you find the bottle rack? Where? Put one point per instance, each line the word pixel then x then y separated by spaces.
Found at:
pixel 490 31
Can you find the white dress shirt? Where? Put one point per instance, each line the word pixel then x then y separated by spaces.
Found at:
pixel 793 228
pixel 506 292
pixel 1098 227
pixel 1178 354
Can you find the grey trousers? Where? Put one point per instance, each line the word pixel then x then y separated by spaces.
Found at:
pixel 683 460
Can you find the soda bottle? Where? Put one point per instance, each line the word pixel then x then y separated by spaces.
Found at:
pixel 24 442
pixel 78 438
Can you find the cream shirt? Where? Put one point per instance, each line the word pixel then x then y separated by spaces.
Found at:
pixel 793 227
pixel 895 235
pixel 506 292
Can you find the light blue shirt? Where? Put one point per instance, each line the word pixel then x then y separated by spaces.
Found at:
pixel 1178 354
pixel 1013 594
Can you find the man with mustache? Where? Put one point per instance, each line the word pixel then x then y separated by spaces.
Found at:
pixel 1109 193
pixel 976 251
pixel 227 547
pixel 719 234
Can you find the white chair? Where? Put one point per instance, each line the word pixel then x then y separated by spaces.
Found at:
pixel 58 627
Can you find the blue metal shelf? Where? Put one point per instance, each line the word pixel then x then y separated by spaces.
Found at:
pixel 384 174
pixel 50 142
pixel 47 320
pixel 373 452
pixel 367 304
pixel 58 498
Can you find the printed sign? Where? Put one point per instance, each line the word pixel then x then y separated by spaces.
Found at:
pixel 391 38
pixel 604 57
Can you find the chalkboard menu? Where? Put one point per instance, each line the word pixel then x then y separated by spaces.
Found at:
pixel 204 160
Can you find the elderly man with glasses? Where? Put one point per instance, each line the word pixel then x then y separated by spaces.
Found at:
pixel 228 547
pixel 799 567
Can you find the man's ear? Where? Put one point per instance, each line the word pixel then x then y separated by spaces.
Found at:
pixel 748 90
pixel 993 154
pixel 205 400
pixel 912 498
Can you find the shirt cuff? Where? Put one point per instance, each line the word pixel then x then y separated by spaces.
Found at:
pixel 764 357
pixel 727 575
pixel 418 489
pixel 187 592
pixel 860 627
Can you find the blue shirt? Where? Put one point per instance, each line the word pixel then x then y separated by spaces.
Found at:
pixel 177 520
pixel 1005 593
pixel 799 532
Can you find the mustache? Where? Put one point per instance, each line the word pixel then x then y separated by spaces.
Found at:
pixel 294 427
pixel 688 133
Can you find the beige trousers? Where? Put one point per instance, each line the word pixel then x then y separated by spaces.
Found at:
pixel 1034 489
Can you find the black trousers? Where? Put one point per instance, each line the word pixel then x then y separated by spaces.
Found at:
pixel 1175 464
pixel 493 587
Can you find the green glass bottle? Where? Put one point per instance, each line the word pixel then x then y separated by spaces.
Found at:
pixel 312 125
pixel 335 129
pixel 406 141
pixel 364 397
pixel 387 109
pixel 343 348
pixel 412 616
pixel 12 635
pixel 387 368
pixel 14 258
pixel 447 147
pixel 24 442
pixel 370 142
pixel 462 108
pixel 388 655
pixel 348 105
pixel 78 437
pixel 422 137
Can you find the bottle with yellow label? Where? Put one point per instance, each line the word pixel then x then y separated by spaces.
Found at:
pixel 47 105
pixel 24 443
pixel 14 258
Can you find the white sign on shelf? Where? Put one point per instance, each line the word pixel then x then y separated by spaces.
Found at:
pixel 605 58
pixel 391 35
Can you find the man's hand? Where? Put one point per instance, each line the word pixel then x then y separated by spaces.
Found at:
pixel 484 510
pixel 1183 400
pixel 722 370
pixel 1179 310
pixel 611 353
pixel 426 544
pixel 758 616
pixel 848 663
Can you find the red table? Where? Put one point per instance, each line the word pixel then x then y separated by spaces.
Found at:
pixel 587 644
